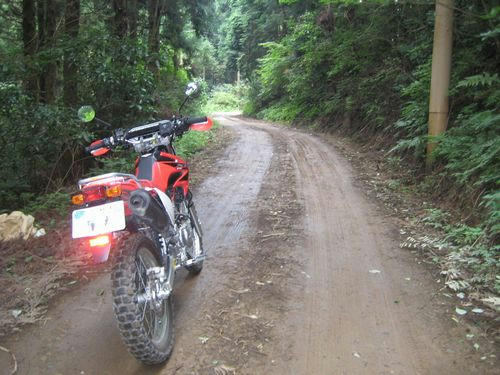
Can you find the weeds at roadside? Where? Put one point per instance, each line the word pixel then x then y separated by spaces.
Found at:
pixel 226 98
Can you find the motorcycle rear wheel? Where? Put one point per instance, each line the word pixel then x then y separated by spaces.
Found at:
pixel 147 332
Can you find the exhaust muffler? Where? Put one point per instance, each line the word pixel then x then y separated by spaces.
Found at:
pixel 148 211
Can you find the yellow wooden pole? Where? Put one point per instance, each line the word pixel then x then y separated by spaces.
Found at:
pixel 441 68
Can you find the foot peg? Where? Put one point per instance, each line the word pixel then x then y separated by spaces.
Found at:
pixel 196 260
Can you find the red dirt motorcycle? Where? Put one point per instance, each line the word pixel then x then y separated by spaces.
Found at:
pixel 149 223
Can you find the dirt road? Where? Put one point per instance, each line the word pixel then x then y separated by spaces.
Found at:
pixel 304 276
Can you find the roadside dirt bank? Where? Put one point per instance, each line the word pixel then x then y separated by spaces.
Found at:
pixel 304 276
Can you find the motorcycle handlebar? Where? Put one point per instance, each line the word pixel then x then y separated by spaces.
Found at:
pixel 195 120
pixel 95 146
pixel 164 127
pixel 143 130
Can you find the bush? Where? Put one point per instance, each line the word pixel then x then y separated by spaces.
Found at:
pixel 193 142
pixel 225 98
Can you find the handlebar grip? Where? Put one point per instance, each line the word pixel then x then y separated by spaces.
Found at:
pixel 95 146
pixel 194 120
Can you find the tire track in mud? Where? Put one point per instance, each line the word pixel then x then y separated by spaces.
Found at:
pixel 364 306
pixel 240 327
pixel 224 205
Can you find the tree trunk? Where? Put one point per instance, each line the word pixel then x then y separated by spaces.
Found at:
pixel 441 68
pixel 154 19
pixel 52 15
pixel 70 69
pixel 120 19
pixel 48 14
pixel 175 59
pixel 30 44
pixel 132 13
pixel 41 15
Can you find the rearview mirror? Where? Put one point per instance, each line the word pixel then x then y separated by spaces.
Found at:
pixel 86 113
pixel 191 88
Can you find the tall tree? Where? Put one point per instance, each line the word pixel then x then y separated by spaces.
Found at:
pixel 30 45
pixel 70 68
pixel 48 14
pixel 41 15
pixel 132 15
pixel 51 21
pixel 441 68
pixel 156 8
pixel 120 18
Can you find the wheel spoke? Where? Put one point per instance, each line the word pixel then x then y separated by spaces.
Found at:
pixel 141 286
pixel 147 322
pixel 153 323
pixel 142 270
pixel 152 320
pixel 144 310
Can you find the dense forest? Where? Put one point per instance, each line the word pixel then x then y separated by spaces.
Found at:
pixel 362 68
pixel 129 59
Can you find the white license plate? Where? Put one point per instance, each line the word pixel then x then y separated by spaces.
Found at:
pixel 97 220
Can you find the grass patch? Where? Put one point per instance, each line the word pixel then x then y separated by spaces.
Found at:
pixel 193 142
pixel 226 98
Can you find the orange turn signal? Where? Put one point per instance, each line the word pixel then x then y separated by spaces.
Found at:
pixel 99 241
pixel 77 199
pixel 114 191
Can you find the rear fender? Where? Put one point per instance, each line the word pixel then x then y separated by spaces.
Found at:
pixel 100 254
pixel 99 246
pixel 167 203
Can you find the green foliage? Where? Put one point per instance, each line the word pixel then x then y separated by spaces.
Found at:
pixel 436 218
pixel 469 249
pixel 477 163
pixel 244 26
pixel 225 98
pixel 46 204
pixel 121 161
pixel 40 146
pixel 369 72
pixel 117 73
pixel 492 203
pixel 484 79
pixel 193 142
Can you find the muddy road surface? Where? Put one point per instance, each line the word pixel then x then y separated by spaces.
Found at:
pixel 304 276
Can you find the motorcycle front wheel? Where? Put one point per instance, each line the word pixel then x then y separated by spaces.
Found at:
pixel 146 327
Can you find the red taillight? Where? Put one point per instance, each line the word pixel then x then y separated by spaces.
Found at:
pixel 100 241
pixel 94 193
